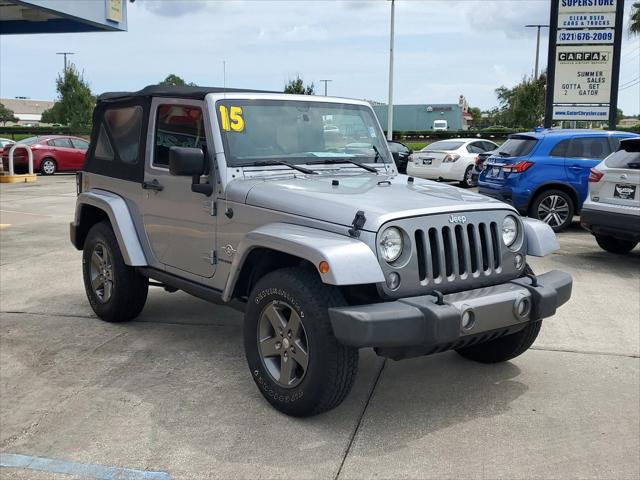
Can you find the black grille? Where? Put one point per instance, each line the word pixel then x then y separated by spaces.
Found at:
pixel 457 252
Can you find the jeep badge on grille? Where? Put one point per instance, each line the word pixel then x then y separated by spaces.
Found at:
pixel 457 219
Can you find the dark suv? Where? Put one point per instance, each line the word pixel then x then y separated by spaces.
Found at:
pixel 544 174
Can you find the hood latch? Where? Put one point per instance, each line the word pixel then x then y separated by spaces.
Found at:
pixel 358 222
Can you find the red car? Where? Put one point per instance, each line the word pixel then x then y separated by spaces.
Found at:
pixel 51 154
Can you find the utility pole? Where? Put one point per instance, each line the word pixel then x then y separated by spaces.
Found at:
pixel 390 112
pixel 65 58
pixel 538 26
pixel 325 86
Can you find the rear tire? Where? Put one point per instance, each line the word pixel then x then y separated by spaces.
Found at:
pixel 116 291
pixel 467 180
pixel 505 348
pixel 555 208
pixel 297 363
pixel 615 245
pixel 48 166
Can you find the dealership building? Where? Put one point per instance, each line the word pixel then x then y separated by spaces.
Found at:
pixel 418 117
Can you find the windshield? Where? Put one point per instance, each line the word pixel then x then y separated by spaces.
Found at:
pixel 517 147
pixel 298 132
pixel 443 145
pixel 28 141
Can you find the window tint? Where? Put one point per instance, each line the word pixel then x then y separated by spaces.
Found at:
pixel 622 159
pixel 560 150
pixel 488 146
pixel 29 141
pixel 177 126
pixel 395 147
pixel 518 146
pixel 475 147
pixel 124 126
pixel 80 144
pixel 443 145
pixel 103 146
pixel 589 147
pixel 61 142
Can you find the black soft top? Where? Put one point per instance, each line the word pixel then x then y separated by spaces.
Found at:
pixel 197 93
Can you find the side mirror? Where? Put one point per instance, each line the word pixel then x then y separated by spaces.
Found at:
pixel 186 162
pixel 189 162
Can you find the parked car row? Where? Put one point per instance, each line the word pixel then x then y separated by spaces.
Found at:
pixel 51 154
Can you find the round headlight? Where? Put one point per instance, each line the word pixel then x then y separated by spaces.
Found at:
pixel 391 244
pixel 509 230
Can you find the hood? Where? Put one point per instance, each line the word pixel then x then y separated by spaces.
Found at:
pixel 381 197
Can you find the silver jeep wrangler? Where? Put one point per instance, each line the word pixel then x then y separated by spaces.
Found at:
pixel 291 209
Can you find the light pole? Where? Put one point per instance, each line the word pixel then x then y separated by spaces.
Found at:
pixel 390 112
pixel 538 26
pixel 65 58
pixel 325 86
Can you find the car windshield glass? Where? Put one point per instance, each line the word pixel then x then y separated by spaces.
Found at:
pixel 443 145
pixel 298 132
pixel 517 147
pixel 28 141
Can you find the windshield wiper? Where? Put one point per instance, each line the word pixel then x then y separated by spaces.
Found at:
pixel 335 161
pixel 266 163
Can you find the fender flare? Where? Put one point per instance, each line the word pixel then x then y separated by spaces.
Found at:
pixel 351 261
pixel 540 237
pixel 121 222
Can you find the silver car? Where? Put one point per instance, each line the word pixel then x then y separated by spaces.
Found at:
pixel 245 199
pixel 612 209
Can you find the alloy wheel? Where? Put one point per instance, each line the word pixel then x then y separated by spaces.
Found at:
pixel 283 345
pixel 48 167
pixel 101 272
pixel 553 210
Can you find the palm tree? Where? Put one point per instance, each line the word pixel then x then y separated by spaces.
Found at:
pixel 634 23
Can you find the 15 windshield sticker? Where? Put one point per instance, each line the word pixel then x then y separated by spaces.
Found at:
pixel 231 119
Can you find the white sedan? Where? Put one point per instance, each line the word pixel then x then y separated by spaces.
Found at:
pixel 449 160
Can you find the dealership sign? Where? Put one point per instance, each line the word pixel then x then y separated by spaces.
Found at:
pixel 584 59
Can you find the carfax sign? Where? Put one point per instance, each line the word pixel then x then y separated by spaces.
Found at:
pixel 584 59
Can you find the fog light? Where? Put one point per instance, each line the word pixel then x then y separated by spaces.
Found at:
pixel 468 319
pixel 522 307
pixel 393 281
pixel 518 261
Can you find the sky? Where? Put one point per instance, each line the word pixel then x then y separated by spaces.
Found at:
pixel 443 49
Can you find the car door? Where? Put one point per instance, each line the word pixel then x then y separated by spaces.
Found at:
pixel 582 155
pixel 64 153
pixel 80 146
pixel 179 223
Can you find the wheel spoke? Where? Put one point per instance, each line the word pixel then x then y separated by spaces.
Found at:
pixel 286 369
pixel 268 346
pixel 275 317
pixel 108 287
pixel 562 208
pixel 554 201
pixel 96 282
pixel 294 325
pixel 558 220
pixel 543 208
pixel 301 356
pixel 96 259
pixel 548 219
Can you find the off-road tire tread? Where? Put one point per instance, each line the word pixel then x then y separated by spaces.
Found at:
pixel 131 287
pixel 343 365
pixel 505 348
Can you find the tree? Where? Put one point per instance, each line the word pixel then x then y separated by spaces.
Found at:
pixel 297 86
pixel 476 116
pixel 75 101
pixel 619 116
pixel 6 115
pixel 176 81
pixel 523 105
pixel 634 23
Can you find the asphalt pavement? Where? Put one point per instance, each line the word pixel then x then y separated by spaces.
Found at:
pixel 169 396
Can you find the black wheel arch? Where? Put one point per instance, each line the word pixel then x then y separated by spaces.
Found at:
pixel 89 216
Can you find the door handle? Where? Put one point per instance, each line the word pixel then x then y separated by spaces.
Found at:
pixel 575 167
pixel 153 185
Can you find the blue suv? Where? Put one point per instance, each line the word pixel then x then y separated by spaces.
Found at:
pixel 544 174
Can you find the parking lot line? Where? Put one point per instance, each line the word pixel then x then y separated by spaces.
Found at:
pixel 100 472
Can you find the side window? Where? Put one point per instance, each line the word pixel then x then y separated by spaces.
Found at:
pixel 124 126
pixel 475 148
pixel 560 150
pixel 489 147
pixel 395 147
pixel 615 143
pixel 595 148
pixel 103 146
pixel 61 142
pixel 179 126
pixel 80 144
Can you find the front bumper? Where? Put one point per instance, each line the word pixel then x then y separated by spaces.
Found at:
pixel 617 225
pixel 419 326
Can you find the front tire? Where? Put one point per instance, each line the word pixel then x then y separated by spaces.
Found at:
pixel 555 208
pixel 615 245
pixel 505 348
pixel 467 180
pixel 116 292
pixel 48 166
pixel 297 363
